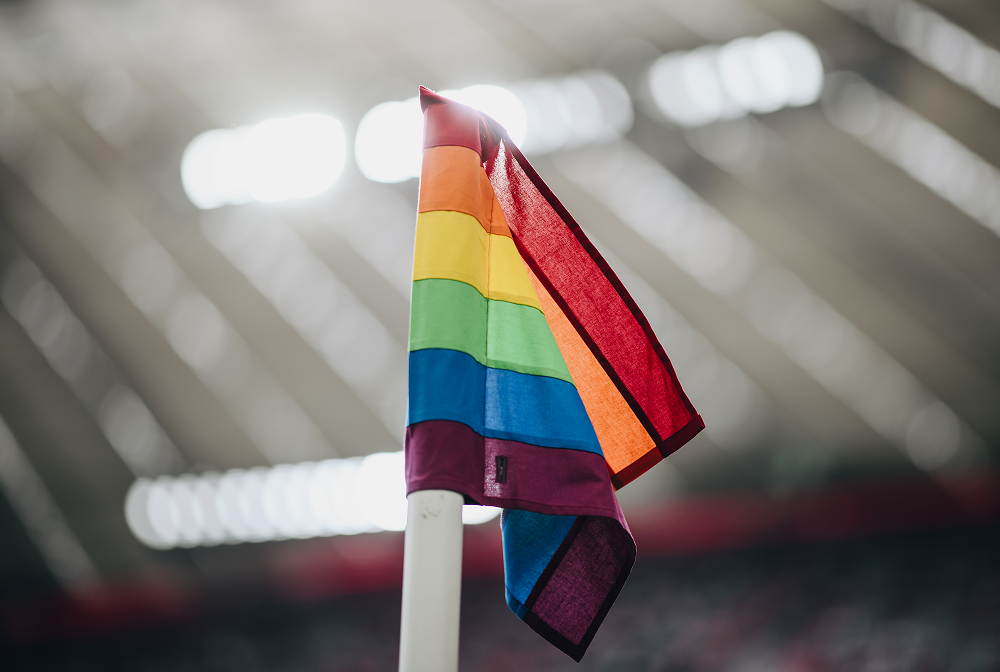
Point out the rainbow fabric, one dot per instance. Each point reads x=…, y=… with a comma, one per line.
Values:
x=536, y=384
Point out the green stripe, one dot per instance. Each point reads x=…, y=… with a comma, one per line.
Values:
x=520, y=340
x=453, y=315
x=448, y=314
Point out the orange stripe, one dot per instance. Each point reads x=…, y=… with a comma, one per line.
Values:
x=453, y=179
x=623, y=438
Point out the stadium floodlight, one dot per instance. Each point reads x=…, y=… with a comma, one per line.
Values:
x=288, y=501
x=762, y=74
x=275, y=160
x=388, y=142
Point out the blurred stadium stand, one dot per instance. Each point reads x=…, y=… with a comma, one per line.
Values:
x=923, y=602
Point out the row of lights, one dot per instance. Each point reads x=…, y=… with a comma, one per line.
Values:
x=291, y=501
x=275, y=160
x=304, y=155
x=761, y=74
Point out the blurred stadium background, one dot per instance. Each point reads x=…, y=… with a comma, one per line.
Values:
x=202, y=372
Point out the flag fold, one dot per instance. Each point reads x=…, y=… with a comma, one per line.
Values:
x=536, y=384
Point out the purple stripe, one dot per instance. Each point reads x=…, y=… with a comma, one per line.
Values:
x=570, y=601
x=446, y=455
x=557, y=481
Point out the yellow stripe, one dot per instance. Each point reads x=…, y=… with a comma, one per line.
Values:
x=454, y=246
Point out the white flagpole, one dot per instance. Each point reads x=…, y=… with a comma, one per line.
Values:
x=432, y=582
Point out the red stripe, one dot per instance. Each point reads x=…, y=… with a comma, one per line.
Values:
x=449, y=123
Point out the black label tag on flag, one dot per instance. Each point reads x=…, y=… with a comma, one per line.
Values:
x=501, y=469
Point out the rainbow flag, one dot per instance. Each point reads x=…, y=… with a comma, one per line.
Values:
x=536, y=384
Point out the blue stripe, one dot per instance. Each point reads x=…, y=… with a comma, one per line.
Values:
x=497, y=403
x=537, y=409
x=529, y=542
x=447, y=385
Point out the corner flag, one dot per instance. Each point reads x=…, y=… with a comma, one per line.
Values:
x=536, y=384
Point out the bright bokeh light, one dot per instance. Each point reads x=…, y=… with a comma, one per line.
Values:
x=477, y=515
x=380, y=489
x=294, y=158
x=275, y=160
x=761, y=75
x=587, y=107
x=289, y=501
x=389, y=140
